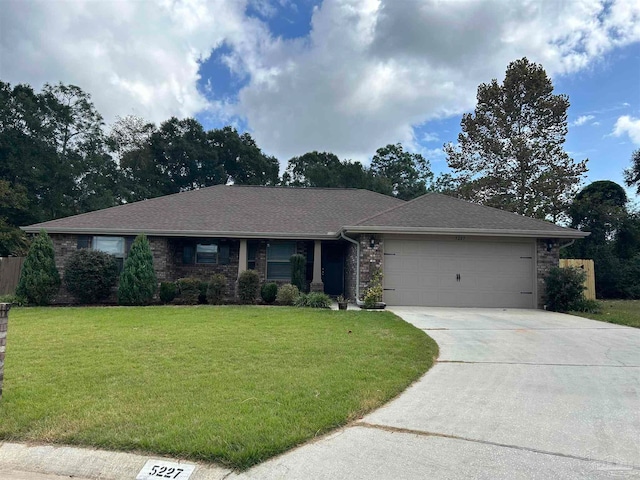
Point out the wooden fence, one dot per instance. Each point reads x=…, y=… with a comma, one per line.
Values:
x=10, y=274
x=587, y=266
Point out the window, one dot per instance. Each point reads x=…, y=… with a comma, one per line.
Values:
x=252, y=250
x=113, y=245
x=207, y=253
x=278, y=260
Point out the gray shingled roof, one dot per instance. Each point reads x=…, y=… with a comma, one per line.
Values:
x=437, y=213
x=248, y=211
x=233, y=211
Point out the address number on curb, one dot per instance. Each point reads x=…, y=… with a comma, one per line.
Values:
x=157, y=469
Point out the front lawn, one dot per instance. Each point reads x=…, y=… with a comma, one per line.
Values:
x=622, y=312
x=233, y=385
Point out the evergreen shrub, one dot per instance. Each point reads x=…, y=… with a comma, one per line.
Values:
x=39, y=277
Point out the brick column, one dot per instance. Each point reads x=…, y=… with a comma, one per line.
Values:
x=4, y=320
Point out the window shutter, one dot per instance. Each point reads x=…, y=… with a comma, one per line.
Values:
x=187, y=254
x=84, y=241
x=223, y=254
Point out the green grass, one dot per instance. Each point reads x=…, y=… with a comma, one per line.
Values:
x=233, y=385
x=621, y=312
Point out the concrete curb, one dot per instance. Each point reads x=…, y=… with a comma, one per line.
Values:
x=88, y=463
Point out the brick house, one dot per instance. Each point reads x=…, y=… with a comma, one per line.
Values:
x=434, y=250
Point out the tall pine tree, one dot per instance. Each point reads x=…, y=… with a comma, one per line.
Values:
x=510, y=153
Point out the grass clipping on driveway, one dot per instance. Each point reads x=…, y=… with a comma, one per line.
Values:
x=233, y=385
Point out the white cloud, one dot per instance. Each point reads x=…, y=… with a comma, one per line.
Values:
x=629, y=126
x=135, y=57
x=371, y=70
x=367, y=73
x=581, y=120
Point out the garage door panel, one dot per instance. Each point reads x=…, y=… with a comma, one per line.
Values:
x=452, y=273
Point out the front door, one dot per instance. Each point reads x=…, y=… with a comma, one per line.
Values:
x=333, y=268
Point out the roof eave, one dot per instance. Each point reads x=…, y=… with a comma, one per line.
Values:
x=484, y=232
x=179, y=233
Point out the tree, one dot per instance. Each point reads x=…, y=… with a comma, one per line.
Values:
x=632, y=174
x=243, y=161
x=39, y=278
x=599, y=208
x=13, y=202
x=510, y=152
x=407, y=173
x=138, y=281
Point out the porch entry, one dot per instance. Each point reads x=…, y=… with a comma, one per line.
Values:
x=333, y=263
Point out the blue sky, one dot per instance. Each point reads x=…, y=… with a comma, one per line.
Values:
x=346, y=76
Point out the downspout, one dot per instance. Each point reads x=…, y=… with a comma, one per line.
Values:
x=357, y=244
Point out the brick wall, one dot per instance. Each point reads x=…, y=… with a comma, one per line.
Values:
x=546, y=260
x=204, y=272
x=371, y=258
x=350, y=265
x=4, y=319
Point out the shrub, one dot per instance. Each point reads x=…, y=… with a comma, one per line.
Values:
x=138, y=281
x=287, y=294
x=314, y=300
x=298, y=271
x=188, y=291
x=373, y=294
x=217, y=289
x=564, y=287
x=203, y=287
x=586, y=305
x=39, y=278
x=269, y=292
x=248, y=284
x=168, y=291
x=90, y=275
x=13, y=300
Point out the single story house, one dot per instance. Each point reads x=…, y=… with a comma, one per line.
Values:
x=434, y=250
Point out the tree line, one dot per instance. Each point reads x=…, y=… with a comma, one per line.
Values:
x=58, y=158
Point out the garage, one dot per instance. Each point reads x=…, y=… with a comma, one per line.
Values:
x=459, y=271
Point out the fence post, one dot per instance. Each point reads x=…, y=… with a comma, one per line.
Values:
x=4, y=322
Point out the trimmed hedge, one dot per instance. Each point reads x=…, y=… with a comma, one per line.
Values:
x=188, y=291
x=269, y=292
x=298, y=271
x=287, y=294
x=248, y=284
x=90, y=275
x=168, y=291
x=217, y=289
x=564, y=288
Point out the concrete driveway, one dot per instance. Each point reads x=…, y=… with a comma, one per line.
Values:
x=515, y=394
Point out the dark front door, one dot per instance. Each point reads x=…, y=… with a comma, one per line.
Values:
x=333, y=268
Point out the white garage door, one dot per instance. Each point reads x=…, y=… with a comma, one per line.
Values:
x=459, y=273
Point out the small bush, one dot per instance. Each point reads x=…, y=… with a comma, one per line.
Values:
x=217, y=289
x=373, y=294
x=39, y=278
x=248, y=284
x=168, y=291
x=188, y=291
x=313, y=300
x=13, y=300
x=564, y=287
x=138, y=281
x=269, y=292
x=298, y=271
x=203, y=287
x=287, y=294
x=587, y=306
x=90, y=275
